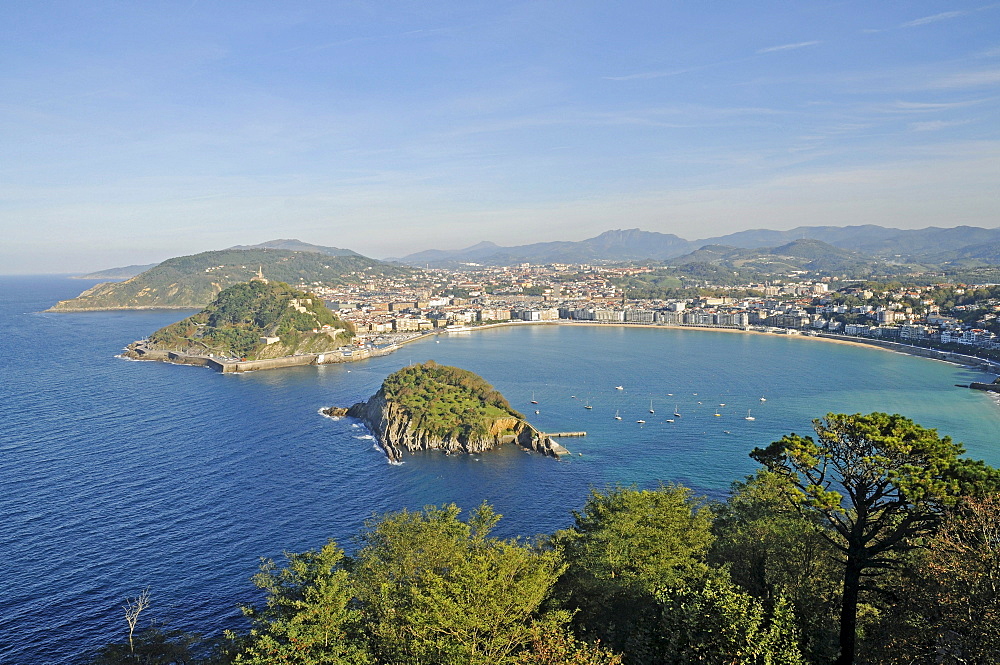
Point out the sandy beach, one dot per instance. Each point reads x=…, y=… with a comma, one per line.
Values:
x=892, y=347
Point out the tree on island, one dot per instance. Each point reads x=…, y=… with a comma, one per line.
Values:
x=880, y=482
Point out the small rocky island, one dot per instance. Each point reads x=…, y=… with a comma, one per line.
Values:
x=437, y=407
x=258, y=323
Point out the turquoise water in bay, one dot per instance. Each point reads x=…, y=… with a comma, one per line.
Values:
x=119, y=475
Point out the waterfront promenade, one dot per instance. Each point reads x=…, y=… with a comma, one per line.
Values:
x=227, y=366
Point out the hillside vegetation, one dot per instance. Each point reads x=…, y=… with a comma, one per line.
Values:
x=447, y=401
x=234, y=323
x=192, y=281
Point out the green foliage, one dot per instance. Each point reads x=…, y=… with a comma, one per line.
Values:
x=438, y=590
x=447, y=401
x=880, y=482
x=951, y=613
x=193, y=281
x=152, y=646
x=773, y=551
x=307, y=618
x=711, y=621
x=626, y=545
x=234, y=322
x=658, y=284
x=552, y=644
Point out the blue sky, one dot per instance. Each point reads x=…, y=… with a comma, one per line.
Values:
x=135, y=131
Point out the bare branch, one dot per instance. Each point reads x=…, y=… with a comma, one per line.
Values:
x=134, y=607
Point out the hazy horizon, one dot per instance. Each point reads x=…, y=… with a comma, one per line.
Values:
x=136, y=132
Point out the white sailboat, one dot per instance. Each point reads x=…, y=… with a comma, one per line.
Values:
x=749, y=417
x=617, y=417
x=651, y=406
x=677, y=413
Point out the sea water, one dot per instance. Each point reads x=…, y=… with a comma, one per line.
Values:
x=121, y=475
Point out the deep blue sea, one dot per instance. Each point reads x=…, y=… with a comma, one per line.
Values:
x=120, y=475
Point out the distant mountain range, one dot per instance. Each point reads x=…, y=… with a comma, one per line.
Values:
x=812, y=256
x=962, y=245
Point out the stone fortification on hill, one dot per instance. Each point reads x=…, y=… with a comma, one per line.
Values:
x=436, y=407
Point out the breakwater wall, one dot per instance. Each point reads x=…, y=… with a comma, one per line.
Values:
x=139, y=352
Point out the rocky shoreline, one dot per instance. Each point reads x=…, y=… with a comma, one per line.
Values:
x=396, y=433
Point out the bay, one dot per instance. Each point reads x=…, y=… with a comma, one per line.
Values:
x=121, y=475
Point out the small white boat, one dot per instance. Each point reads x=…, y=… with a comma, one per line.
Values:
x=651, y=406
x=749, y=417
x=617, y=417
x=533, y=400
x=670, y=420
x=677, y=413
x=537, y=411
x=641, y=422
x=619, y=387
x=763, y=399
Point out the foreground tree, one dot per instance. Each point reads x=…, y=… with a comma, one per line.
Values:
x=952, y=616
x=712, y=621
x=626, y=545
x=553, y=644
x=772, y=552
x=638, y=580
x=307, y=618
x=879, y=482
x=437, y=590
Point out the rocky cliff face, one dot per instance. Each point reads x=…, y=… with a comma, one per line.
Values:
x=395, y=430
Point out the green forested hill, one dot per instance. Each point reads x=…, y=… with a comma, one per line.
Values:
x=234, y=323
x=193, y=281
x=444, y=400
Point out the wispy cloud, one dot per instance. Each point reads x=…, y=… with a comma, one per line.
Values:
x=935, y=125
x=924, y=107
x=787, y=47
x=943, y=16
x=980, y=79
x=645, y=75
x=639, y=76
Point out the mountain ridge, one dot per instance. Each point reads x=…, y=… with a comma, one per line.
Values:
x=939, y=244
x=192, y=281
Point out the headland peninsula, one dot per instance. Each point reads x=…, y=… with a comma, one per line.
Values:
x=268, y=323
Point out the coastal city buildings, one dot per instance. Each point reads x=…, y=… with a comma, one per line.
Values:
x=434, y=299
